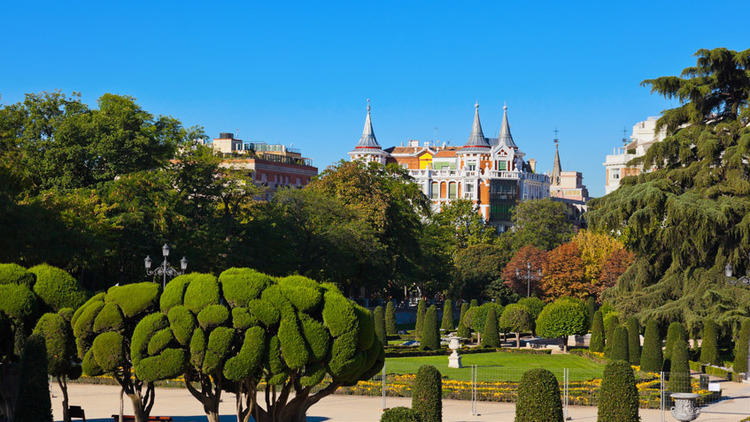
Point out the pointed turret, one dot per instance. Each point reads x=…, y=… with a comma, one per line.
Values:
x=505, y=138
x=477, y=139
x=367, y=140
x=556, y=167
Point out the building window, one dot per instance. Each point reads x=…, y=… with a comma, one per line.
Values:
x=501, y=165
x=615, y=173
x=434, y=191
x=469, y=188
x=452, y=190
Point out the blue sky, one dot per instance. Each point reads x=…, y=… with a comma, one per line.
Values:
x=299, y=72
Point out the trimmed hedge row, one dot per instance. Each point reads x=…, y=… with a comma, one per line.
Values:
x=404, y=351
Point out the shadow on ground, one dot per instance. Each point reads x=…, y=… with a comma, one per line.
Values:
x=223, y=418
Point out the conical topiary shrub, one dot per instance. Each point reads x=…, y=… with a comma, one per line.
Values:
x=538, y=397
x=463, y=331
x=634, y=341
x=490, y=335
x=741, y=348
x=380, y=325
x=33, y=402
x=674, y=331
x=447, y=322
x=597, y=333
x=618, y=399
x=390, y=319
x=427, y=394
x=421, y=308
x=709, y=346
x=679, y=370
x=590, y=309
x=611, y=322
x=400, y=414
x=620, y=344
x=651, y=356
x=430, y=337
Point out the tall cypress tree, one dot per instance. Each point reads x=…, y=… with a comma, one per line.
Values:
x=620, y=344
x=651, y=356
x=709, y=346
x=490, y=335
x=741, y=348
x=380, y=325
x=679, y=369
x=430, y=336
x=447, y=323
x=390, y=319
x=591, y=308
x=610, y=324
x=463, y=330
x=674, y=332
x=634, y=341
x=421, y=308
x=597, y=333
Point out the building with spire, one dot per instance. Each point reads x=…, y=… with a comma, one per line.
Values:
x=618, y=164
x=568, y=187
x=491, y=172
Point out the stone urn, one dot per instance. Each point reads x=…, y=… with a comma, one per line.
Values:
x=684, y=408
x=454, y=360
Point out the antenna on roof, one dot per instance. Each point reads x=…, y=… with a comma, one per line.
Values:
x=556, y=138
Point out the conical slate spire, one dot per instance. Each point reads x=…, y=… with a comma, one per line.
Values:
x=477, y=139
x=556, y=167
x=367, y=140
x=505, y=138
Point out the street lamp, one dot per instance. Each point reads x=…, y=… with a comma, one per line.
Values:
x=529, y=277
x=729, y=271
x=165, y=269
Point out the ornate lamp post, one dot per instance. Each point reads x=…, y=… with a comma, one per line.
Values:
x=529, y=277
x=165, y=269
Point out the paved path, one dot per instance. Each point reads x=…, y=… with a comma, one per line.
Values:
x=101, y=401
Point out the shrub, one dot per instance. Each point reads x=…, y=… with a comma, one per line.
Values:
x=219, y=342
x=302, y=292
x=338, y=314
x=109, y=351
x=56, y=288
x=463, y=330
x=618, y=400
x=265, y=312
x=516, y=318
x=174, y=291
x=709, y=347
x=202, y=290
x=651, y=355
x=250, y=356
x=562, y=318
x=597, y=333
x=674, y=332
x=110, y=318
x=476, y=316
x=183, y=323
x=427, y=394
x=33, y=401
x=490, y=335
x=212, y=316
x=741, y=348
x=634, y=341
x=134, y=299
x=611, y=322
x=447, y=322
x=590, y=309
x=430, y=336
x=620, y=344
x=421, y=308
x=400, y=414
x=538, y=397
x=474, y=303
x=390, y=319
x=679, y=369
x=17, y=301
x=242, y=319
x=317, y=337
x=16, y=274
x=535, y=306
x=380, y=325
x=241, y=285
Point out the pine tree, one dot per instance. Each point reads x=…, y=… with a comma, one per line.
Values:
x=390, y=319
x=380, y=325
x=447, y=323
x=597, y=333
x=709, y=347
x=620, y=344
x=679, y=370
x=741, y=348
x=463, y=330
x=651, y=355
x=421, y=308
x=634, y=341
x=490, y=335
x=430, y=336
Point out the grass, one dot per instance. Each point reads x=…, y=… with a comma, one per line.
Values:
x=500, y=366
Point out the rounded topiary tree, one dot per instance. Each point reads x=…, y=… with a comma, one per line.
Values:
x=379, y=318
x=430, y=336
x=400, y=414
x=62, y=360
x=562, y=318
x=57, y=289
x=476, y=316
x=709, y=343
x=33, y=402
x=391, y=328
x=596, y=343
x=104, y=326
x=674, y=332
x=611, y=322
x=490, y=334
x=463, y=330
x=634, y=341
x=19, y=304
x=427, y=394
x=741, y=348
x=534, y=306
x=517, y=319
x=620, y=344
x=447, y=322
x=651, y=355
x=538, y=397
x=618, y=399
x=16, y=274
x=679, y=369
x=421, y=309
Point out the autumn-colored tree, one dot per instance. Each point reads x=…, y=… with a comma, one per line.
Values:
x=536, y=259
x=595, y=249
x=563, y=273
x=615, y=265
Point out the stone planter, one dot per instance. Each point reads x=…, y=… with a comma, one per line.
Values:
x=684, y=406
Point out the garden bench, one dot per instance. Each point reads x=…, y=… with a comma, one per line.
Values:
x=131, y=418
x=76, y=412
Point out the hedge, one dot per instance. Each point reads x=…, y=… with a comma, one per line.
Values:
x=427, y=397
x=620, y=344
x=265, y=312
x=160, y=341
x=651, y=355
x=380, y=325
x=611, y=322
x=109, y=350
x=634, y=341
x=338, y=314
x=618, y=400
x=17, y=301
x=174, y=291
x=293, y=348
x=212, y=316
x=33, y=401
x=142, y=333
x=400, y=414
x=241, y=285
x=402, y=351
x=56, y=288
x=250, y=357
x=674, y=332
x=741, y=348
x=709, y=347
x=430, y=336
x=183, y=323
x=242, y=319
x=538, y=397
x=59, y=344
x=219, y=342
x=447, y=321
x=597, y=333
x=316, y=337
x=302, y=292
x=109, y=318
x=202, y=290
x=390, y=319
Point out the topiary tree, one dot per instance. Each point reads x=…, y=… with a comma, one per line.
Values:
x=33, y=402
x=400, y=414
x=427, y=394
x=674, y=332
x=516, y=318
x=19, y=304
x=380, y=325
x=534, y=306
x=560, y=319
x=57, y=289
x=103, y=328
x=679, y=369
x=473, y=303
x=651, y=355
x=634, y=341
x=618, y=399
x=476, y=317
x=247, y=332
x=430, y=336
x=538, y=397
x=596, y=343
x=421, y=309
x=590, y=309
x=447, y=322
x=463, y=330
x=62, y=360
x=741, y=348
x=709, y=345
x=391, y=328
x=16, y=274
x=490, y=334
x=620, y=344
x=611, y=322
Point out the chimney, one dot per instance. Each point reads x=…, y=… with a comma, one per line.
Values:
x=532, y=164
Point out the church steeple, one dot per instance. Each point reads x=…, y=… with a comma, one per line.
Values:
x=367, y=140
x=505, y=138
x=556, y=167
x=476, y=138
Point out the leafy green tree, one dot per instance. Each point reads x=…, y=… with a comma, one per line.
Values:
x=516, y=318
x=741, y=346
x=427, y=397
x=618, y=399
x=476, y=267
x=539, y=397
x=421, y=309
x=463, y=331
x=709, y=343
x=634, y=341
x=620, y=344
x=476, y=317
x=685, y=216
x=380, y=325
x=490, y=334
x=56, y=288
x=534, y=305
x=562, y=318
x=679, y=369
x=390, y=319
x=651, y=355
x=447, y=322
x=33, y=402
x=542, y=223
x=597, y=333
x=430, y=336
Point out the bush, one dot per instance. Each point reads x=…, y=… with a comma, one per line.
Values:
x=562, y=318
x=490, y=335
x=202, y=290
x=390, y=319
x=421, y=308
x=110, y=318
x=447, y=322
x=59, y=344
x=430, y=336
x=17, y=302
x=33, y=401
x=56, y=288
x=620, y=344
x=590, y=309
x=380, y=325
x=174, y=291
x=264, y=312
x=618, y=400
x=651, y=355
x=516, y=318
x=134, y=299
x=741, y=348
x=597, y=333
x=634, y=341
x=212, y=316
x=709, y=347
x=302, y=292
x=338, y=314
x=674, y=332
x=241, y=285
x=476, y=316
x=16, y=274
x=611, y=322
x=109, y=351
x=219, y=342
x=293, y=347
x=463, y=331
x=427, y=394
x=317, y=337
x=538, y=397
x=183, y=323
x=535, y=306
x=250, y=356
x=400, y=414
x=679, y=369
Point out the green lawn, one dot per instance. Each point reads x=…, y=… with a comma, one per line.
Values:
x=500, y=366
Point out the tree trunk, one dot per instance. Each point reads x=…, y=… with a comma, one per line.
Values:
x=64, y=388
x=212, y=416
x=138, y=411
x=564, y=341
x=518, y=340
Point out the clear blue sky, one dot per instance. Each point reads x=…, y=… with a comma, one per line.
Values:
x=285, y=72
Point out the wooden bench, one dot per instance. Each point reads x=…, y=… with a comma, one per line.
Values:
x=131, y=418
x=76, y=412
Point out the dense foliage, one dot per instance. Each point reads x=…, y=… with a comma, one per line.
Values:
x=427, y=394
x=674, y=332
x=620, y=344
x=651, y=355
x=562, y=318
x=679, y=368
x=463, y=330
x=538, y=397
x=741, y=348
x=596, y=343
x=634, y=341
x=490, y=333
x=380, y=330
x=611, y=322
x=421, y=309
x=400, y=414
x=447, y=321
x=516, y=318
x=430, y=336
x=618, y=399
x=33, y=401
x=390, y=319
x=709, y=343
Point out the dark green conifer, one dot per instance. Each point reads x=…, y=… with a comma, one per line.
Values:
x=590, y=309
x=447, y=323
x=674, y=332
x=463, y=330
x=620, y=344
x=597, y=333
x=33, y=403
x=610, y=324
x=421, y=308
x=634, y=341
x=679, y=370
x=430, y=336
x=618, y=400
x=490, y=335
x=390, y=319
x=427, y=394
x=380, y=325
x=651, y=355
x=538, y=397
x=741, y=348
x=709, y=343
